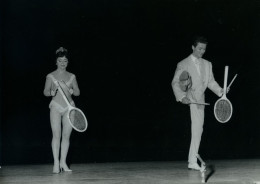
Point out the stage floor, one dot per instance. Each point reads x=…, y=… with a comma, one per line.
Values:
x=245, y=171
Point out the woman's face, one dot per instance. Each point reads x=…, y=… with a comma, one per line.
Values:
x=62, y=62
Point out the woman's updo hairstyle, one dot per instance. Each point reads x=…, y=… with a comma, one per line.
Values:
x=61, y=52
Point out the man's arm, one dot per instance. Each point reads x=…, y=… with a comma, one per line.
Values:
x=179, y=94
x=212, y=84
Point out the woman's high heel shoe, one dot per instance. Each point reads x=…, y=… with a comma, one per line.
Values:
x=65, y=169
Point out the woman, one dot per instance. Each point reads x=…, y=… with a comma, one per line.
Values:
x=58, y=108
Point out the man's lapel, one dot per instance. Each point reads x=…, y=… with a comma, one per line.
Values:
x=197, y=79
x=202, y=71
x=194, y=73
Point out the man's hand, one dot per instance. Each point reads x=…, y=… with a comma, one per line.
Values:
x=222, y=91
x=185, y=100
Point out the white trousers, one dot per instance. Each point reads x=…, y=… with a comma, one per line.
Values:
x=197, y=121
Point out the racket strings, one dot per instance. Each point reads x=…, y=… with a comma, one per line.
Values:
x=223, y=110
x=78, y=119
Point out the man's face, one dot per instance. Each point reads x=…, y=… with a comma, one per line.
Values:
x=199, y=50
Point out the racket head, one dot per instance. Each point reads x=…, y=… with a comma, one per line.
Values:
x=223, y=110
x=77, y=119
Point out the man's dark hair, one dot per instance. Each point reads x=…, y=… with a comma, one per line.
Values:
x=199, y=39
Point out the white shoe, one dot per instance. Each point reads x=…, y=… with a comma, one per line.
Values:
x=194, y=166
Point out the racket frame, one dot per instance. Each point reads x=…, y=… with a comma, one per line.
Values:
x=224, y=97
x=70, y=108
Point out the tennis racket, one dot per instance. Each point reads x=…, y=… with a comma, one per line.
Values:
x=76, y=117
x=223, y=108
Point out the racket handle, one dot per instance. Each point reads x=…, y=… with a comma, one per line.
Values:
x=68, y=88
x=225, y=79
x=232, y=81
x=199, y=103
x=63, y=94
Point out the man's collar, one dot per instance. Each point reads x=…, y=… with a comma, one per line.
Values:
x=193, y=58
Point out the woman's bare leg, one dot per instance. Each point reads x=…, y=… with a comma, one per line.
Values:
x=66, y=132
x=55, y=119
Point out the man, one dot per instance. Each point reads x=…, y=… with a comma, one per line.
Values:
x=198, y=75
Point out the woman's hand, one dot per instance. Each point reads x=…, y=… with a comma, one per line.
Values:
x=71, y=91
x=53, y=93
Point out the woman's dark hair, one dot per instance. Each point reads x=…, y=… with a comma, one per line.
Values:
x=61, y=52
x=199, y=39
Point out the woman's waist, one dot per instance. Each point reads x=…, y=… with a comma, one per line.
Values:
x=60, y=100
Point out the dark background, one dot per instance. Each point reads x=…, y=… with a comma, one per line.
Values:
x=124, y=54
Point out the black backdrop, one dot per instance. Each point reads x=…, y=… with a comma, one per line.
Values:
x=124, y=54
